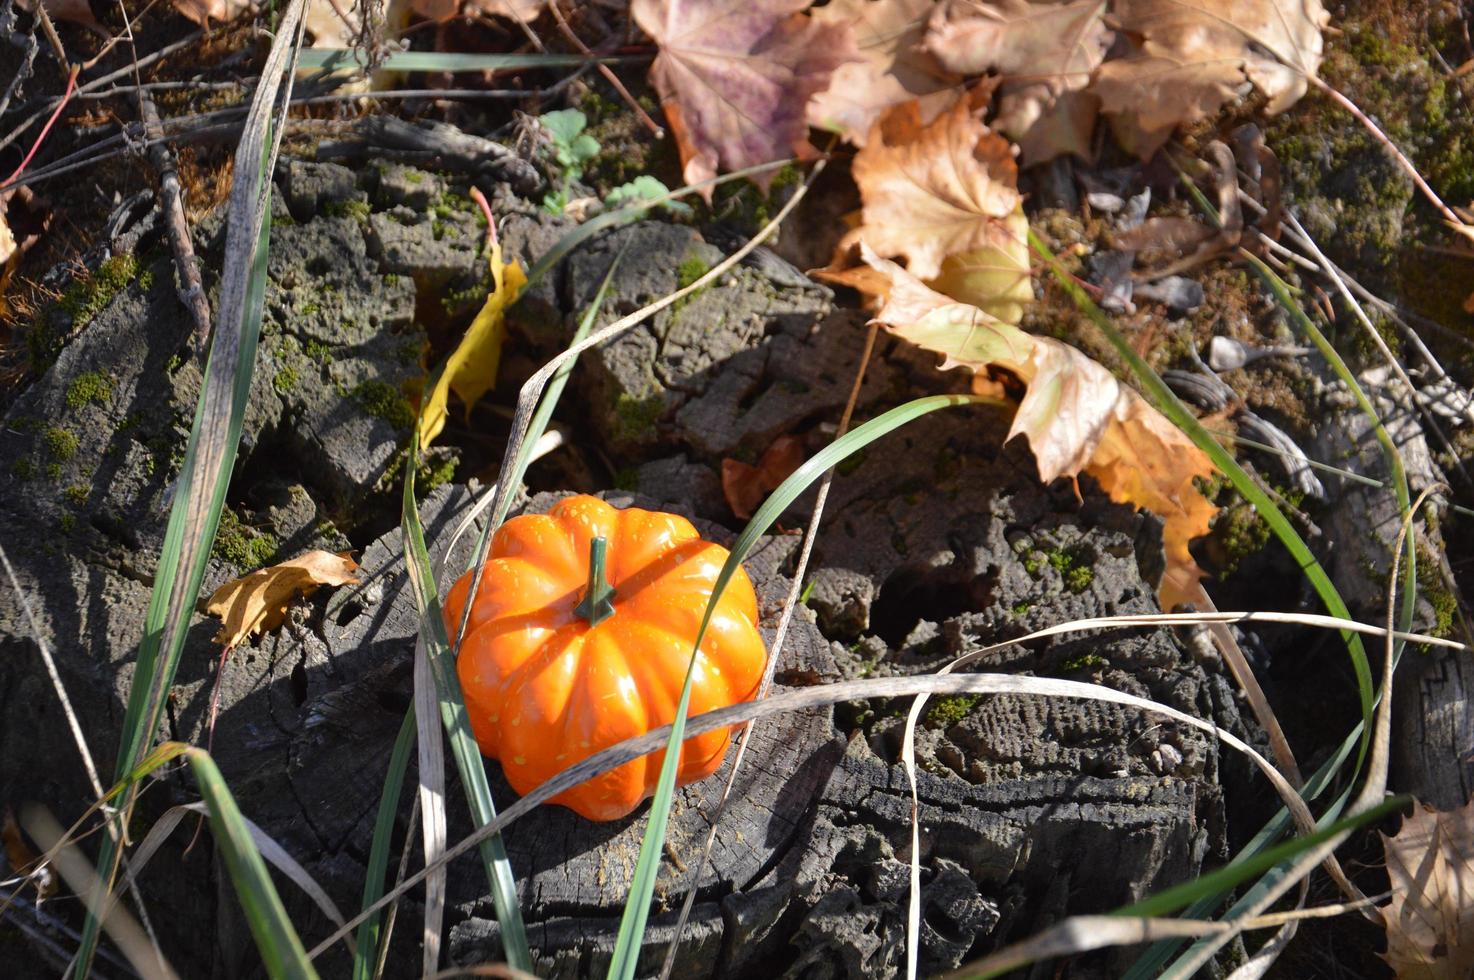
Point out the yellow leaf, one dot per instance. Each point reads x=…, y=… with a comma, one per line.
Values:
x=257, y=602
x=471, y=370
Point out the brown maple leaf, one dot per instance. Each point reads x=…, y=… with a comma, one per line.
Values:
x=735, y=76
x=895, y=68
x=1047, y=54
x=934, y=190
x=1430, y=920
x=1076, y=416
x=257, y=603
x=745, y=486
x=1193, y=56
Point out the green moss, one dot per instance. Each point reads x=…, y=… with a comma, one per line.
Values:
x=76, y=495
x=1077, y=574
x=692, y=268
x=66, y=523
x=391, y=279
x=93, y=386
x=285, y=379
x=948, y=711
x=635, y=418
x=88, y=297
x=386, y=402
x=1242, y=532
x=146, y=280
x=359, y=210
x=1085, y=661
x=24, y=468
x=628, y=478
x=414, y=176
x=1022, y=607
x=242, y=545
x=53, y=471
x=318, y=351
x=61, y=444
x=440, y=474
x=310, y=307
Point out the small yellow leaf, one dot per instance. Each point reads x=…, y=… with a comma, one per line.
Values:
x=257, y=602
x=471, y=370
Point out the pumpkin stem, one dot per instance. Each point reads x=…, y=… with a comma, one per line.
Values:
x=598, y=598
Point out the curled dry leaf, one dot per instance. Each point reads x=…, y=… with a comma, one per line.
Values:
x=942, y=195
x=207, y=12
x=471, y=370
x=1076, y=416
x=934, y=190
x=1193, y=56
x=257, y=602
x=895, y=68
x=1430, y=920
x=1047, y=54
x=745, y=485
x=735, y=76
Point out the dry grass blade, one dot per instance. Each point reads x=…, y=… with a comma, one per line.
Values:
x=1084, y=933
x=210, y=454
x=51, y=672
x=857, y=690
x=790, y=602
x=1373, y=790
x=273, y=852
x=144, y=956
x=432, y=802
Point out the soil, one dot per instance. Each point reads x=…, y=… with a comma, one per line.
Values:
x=938, y=540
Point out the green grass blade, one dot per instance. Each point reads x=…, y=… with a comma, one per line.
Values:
x=466, y=752
x=348, y=58
x=199, y=497
x=366, y=953
x=548, y=403
x=642, y=885
x=1282, y=294
x=1163, y=398
x=281, y=948
x=1223, y=879
x=214, y=436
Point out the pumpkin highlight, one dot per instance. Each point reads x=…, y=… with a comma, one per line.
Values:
x=545, y=688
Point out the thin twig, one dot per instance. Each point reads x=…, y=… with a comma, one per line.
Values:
x=609, y=76
x=1390, y=147
x=97, y=83
x=171, y=202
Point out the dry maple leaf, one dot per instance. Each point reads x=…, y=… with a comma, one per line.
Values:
x=1430, y=920
x=735, y=76
x=895, y=68
x=1076, y=416
x=207, y=12
x=934, y=190
x=1195, y=55
x=257, y=602
x=1047, y=54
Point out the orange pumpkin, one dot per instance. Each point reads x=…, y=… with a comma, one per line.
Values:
x=554, y=669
